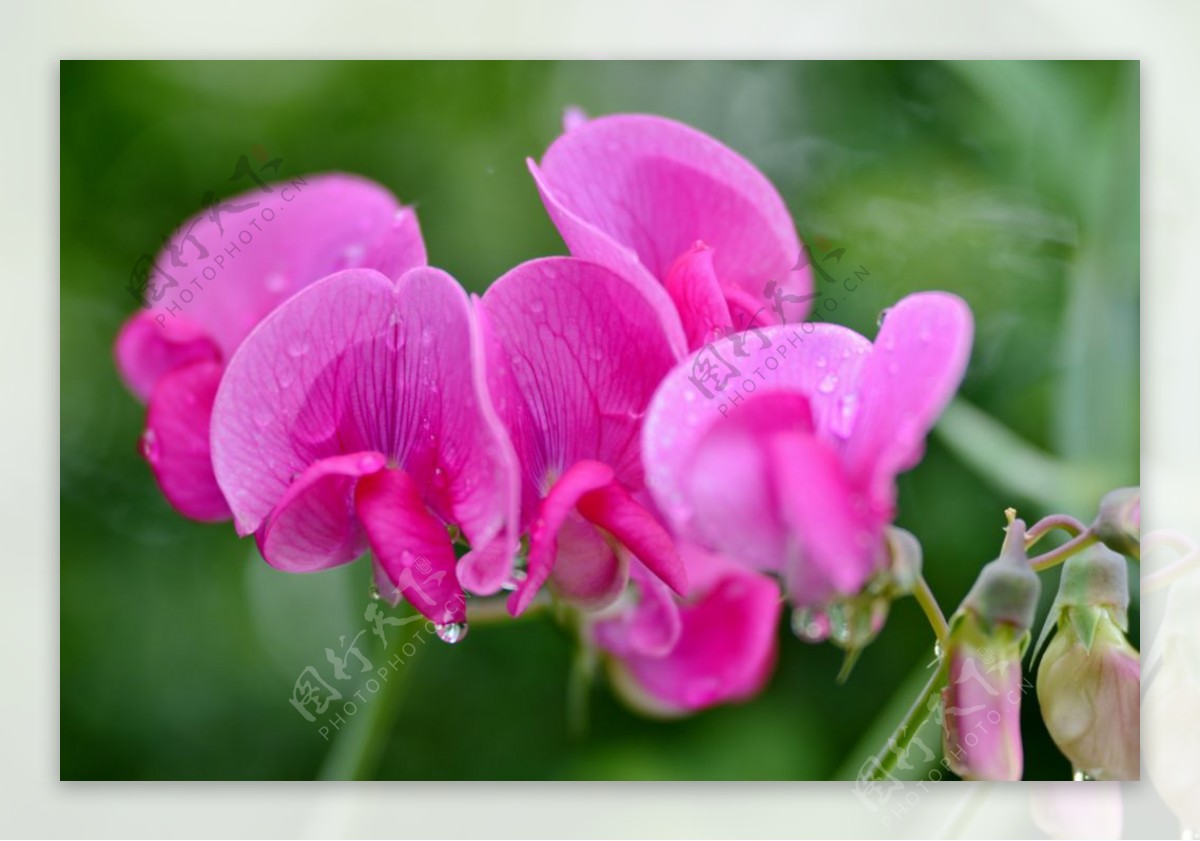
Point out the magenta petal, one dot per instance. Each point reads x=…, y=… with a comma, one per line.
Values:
x=696, y=292
x=575, y=354
x=485, y=570
x=819, y=362
x=651, y=627
x=914, y=369
x=651, y=187
x=613, y=508
x=176, y=441
x=726, y=648
x=357, y=362
x=411, y=548
x=554, y=510
x=146, y=351
x=314, y=526
x=589, y=572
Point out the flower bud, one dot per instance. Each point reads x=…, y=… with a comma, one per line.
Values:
x=988, y=636
x=1118, y=525
x=1089, y=678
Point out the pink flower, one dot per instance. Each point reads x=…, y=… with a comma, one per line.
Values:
x=679, y=214
x=717, y=645
x=219, y=275
x=575, y=352
x=356, y=416
x=783, y=453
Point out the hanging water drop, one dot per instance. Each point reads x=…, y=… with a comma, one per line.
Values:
x=149, y=445
x=452, y=632
x=1082, y=776
x=810, y=624
x=879, y=320
x=373, y=592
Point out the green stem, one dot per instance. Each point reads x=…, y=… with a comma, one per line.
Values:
x=1056, y=556
x=897, y=744
x=358, y=746
x=933, y=611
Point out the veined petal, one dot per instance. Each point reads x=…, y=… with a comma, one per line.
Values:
x=917, y=362
x=411, y=548
x=176, y=442
x=314, y=526
x=652, y=186
x=696, y=292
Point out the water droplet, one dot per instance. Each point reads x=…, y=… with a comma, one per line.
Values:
x=353, y=255
x=842, y=421
x=536, y=306
x=515, y=580
x=879, y=320
x=1082, y=776
x=373, y=592
x=149, y=444
x=937, y=649
x=822, y=361
x=297, y=348
x=369, y=462
x=263, y=415
x=452, y=632
x=439, y=479
x=810, y=624
x=276, y=282
x=828, y=384
x=426, y=337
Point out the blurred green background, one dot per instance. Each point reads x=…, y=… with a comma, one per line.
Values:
x=1014, y=185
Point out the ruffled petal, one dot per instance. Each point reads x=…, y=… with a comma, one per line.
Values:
x=575, y=354
x=147, y=350
x=651, y=187
x=918, y=360
x=726, y=647
x=411, y=548
x=314, y=526
x=615, y=510
x=355, y=363
x=649, y=627
x=819, y=362
x=558, y=505
x=176, y=442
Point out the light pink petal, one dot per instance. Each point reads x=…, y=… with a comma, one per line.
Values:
x=558, y=505
x=652, y=187
x=146, y=351
x=726, y=648
x=589, y=571
x=650, y=627
x=616, y=511
x=263, y=247
x=918, y=360
x=696, y=292
x=314, y=525
x=717, y=381
x=358, y=362
x=175, y=442
x=575, y=354
x=411, y=548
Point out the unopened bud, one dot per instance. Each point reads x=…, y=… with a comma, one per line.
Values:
x=1118, y=525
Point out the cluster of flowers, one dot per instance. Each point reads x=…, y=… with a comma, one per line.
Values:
x=584, y=426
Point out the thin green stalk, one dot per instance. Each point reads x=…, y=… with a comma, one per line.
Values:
x=1048, y=524
x=897, y=744
x=933, y=611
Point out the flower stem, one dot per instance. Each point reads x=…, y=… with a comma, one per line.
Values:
x=1172, y=572
x=1056, y=556
x=897, y=744
x=933, y=612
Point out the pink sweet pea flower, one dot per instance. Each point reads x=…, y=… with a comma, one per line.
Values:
x=219, y=275
x=574, y=353
x=717, y=646
x=783, y=455
x=356, y=415
x=681, y=215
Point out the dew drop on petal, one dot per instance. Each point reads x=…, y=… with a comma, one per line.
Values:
x=452, y=632
x=263, y=415
x=842, y=421
x=828, y=384
x=880, y=319
x=149, y=445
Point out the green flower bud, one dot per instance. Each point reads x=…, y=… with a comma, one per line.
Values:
x=1119, y=523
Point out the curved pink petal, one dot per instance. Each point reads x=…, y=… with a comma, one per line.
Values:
x=589, y=571
x=575, y=355
x=615, y=510
x=554, y=510
x=411, y=548
x=819, y=362
x=650, y=627
x=726, y=648
x=648, y=187
x=228, y=266
x=175, y=442
x=918, y=360
x=355, y=363
x=696, y=292
x=146, y=351
x=314, y=525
